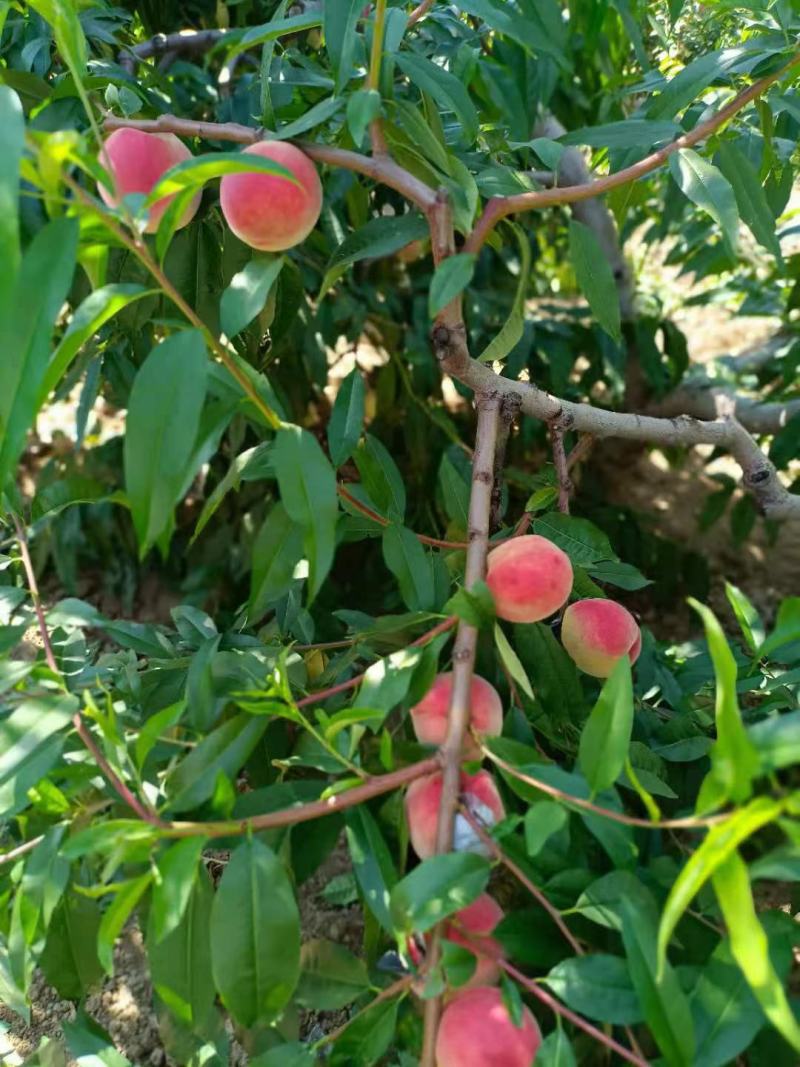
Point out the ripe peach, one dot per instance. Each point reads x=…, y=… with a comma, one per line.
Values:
x=430, y=715
x=136, y=161
x=596, y=633
x=477, y=1031
x=529, y=578
x=271, y=213
x=471, y=928
x=424, y=796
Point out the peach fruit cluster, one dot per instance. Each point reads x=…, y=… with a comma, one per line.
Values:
x=266, y=211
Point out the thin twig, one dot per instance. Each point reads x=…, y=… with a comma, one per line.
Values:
x=580, y=451
x=316, y=809
x=396, y=989
x=521, y=877
x=576, y=1020
x=351, y=683
x=561, y=466
x=690, y=822
x=463, y=669
x=500, y=207
x=419, y=11
x=434, y=542
x=20, y=850
x=116, y=783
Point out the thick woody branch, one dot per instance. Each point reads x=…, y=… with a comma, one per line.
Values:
x=500, y=207
x=419, y=11
x=164, y=44
x=759, y=474
x=380, y=169
x=451, y=752
x=709, y=401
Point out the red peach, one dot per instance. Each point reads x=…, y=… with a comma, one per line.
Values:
x=424, y=797
x=268, y=212
x=529, y=578
x=596, y=633
x=477, y=1031
x=471, y=928
x=136, y=161
x=430, y=715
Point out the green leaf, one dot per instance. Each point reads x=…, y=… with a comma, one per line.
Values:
x=539, y=30
x=687, y=85
x=70, y=961
x=734, y=759
x=331, y=977
x=178, y=869
x=12, y=140
x=556, y=1051
x=387, y=681
x=746, y=615
x=787, y=627
x=629, y=133
x=450, y=279
x=30, y=744
x=598, y=986
x=455, y=492
x=63, y=17
x=583, y=542
x=750, y=947
x=777, y=741
x=339, y=26
x=554, y=675
x=195, y=172
x=367, y=1037
x=543, y=819
x=276, y=552
x=751, y=198
x=180, y=957
x=315, y=116
x=665, y=1007
x=411, y=565
x=308, y=490
x=271, y=31
x=379, y=237
x=27, y=320
x=381, y=478
x=595, y=277
x=225, y=750
x=623, y=575
x=164, y=410
x=363, y=106
x=607, y=734
x=247, y=293
x=347, y=418
x=511, y=331
x=511, y=661
x=706, y=187
x=444, y=87
x=720, y=842
x=372, y=863
x=255, y=935
x=96, y=310
x=438, y=887
x=116, y=915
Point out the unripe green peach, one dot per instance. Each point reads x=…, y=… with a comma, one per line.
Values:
x=597, y=632
x=529, y=578
x=424, y=798
x=269, y=212
x=477, y=1031
x=430, y=715
x=136, y=161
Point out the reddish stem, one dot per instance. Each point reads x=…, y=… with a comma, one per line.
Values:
x=435, y=542
x=521, y=877
x=576, y=1020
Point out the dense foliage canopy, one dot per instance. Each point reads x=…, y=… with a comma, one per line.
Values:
x=265, y=531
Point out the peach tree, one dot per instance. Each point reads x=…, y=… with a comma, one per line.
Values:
x=339, y=298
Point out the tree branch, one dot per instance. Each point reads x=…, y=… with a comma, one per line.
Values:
x=561, y=465
x=379, y=168
x=162, y=44
x=452, y=751
x=419, y=12
x=500, y=207
x=316, y=809
x=708, y=401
